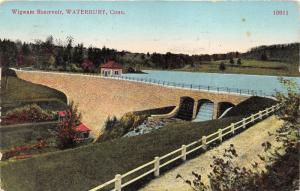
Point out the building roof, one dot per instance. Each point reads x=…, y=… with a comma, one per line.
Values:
x=82, y=128
x=112, y=65
x=62, y=113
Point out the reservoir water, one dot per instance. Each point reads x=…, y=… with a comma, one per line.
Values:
x=267, y=84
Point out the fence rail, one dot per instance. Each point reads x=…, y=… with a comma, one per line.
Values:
x=184, y=150
x=193, y=86
x=187, y=86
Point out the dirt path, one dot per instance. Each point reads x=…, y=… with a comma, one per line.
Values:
x=247, y=144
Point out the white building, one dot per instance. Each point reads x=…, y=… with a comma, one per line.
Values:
x=111, y=68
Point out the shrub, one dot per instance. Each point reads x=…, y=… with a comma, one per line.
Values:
x=222, y=66
x=226, y=175
x=21, y=152
x=115, y=128
x=66, y=134
x=75, y=68
x=239, y=62
x=27, y=114
x=88, y=66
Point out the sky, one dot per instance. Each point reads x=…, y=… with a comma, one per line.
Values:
x=157, y=26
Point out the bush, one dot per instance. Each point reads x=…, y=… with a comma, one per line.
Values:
x=115, y=128
x=51, y=68
x=74, y=68
x=21, y=152
x=27, y=114
x=66, y=134
x=239, y=62
x=222, y=66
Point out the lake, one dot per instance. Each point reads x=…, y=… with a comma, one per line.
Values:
x=267, y=84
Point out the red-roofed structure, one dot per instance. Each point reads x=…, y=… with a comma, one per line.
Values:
x=61, y=113
x=82, y=128
x=111, y=68
x=83, y=132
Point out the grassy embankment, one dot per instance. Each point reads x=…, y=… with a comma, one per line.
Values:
x=256, y=67
x=88, y=166
x=18, y=135
x=17, y=93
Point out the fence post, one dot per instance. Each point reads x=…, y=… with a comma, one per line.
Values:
x=232, y=128
x=260, y=115
x=204, y=141
x=252, y=118
x=244, y=123
x=220, y=135
x=267, y=111
x=183, y=152
x=118, y=182
x=156, y=166
x=273, y=109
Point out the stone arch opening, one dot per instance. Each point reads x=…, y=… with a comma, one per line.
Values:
x=223, y=107
x=186, y=108
x=205, y=110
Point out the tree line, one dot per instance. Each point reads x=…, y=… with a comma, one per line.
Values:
x=50, y=55
x=279, y=52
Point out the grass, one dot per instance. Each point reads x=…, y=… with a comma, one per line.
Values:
x=88, y=166
x=256, y=67
x=17, y=135
x=18, y=89
x=20, y=92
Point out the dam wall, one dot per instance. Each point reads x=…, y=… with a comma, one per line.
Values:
x=99, y=97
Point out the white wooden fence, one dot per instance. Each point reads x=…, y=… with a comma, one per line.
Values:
x=184, y=150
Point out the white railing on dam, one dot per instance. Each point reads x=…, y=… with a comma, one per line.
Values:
x=155, y=165
x=168, y=84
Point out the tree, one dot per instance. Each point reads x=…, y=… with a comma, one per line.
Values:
x=88, y=66
x=48, y=45
x=239, y=62
x=51, y=61
x=66, y=133
x=222, y=66
x=231, y=61
x=4, y=61
x=78, y=54
x=264, y=56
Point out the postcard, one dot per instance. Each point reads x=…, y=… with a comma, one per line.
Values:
x=149, y=95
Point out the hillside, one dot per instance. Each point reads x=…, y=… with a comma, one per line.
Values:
x=16, y=92
x=280, y=52
x=87, y=166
